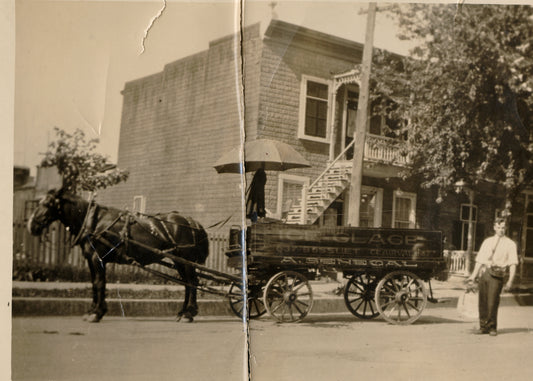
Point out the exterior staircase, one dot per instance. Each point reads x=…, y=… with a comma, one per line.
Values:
x=321, y=194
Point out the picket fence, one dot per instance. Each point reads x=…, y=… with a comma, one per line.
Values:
x=54, y=247
x=456, y=261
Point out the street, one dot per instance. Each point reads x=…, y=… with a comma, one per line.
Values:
x=439, y=346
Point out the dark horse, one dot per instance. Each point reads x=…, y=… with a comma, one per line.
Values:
x=110, y=235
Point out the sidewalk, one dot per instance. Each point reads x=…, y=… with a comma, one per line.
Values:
x=55, y=298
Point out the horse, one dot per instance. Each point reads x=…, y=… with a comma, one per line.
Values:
x=109, y=235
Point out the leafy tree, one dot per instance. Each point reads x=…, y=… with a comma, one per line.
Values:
x=79, y=165
x=465, y=92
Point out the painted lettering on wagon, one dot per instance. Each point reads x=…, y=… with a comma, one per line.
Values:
x=347, y=262
x=354, y=237
x=414, y=253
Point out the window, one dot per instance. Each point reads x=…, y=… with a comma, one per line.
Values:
x=403, y=210
x=371, y=207
x=291, y=191
x=314, y=109
x=139, y=204
x=463, y=218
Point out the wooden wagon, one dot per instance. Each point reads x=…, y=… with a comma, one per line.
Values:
x=386, y=269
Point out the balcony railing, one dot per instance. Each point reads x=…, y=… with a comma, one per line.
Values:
x=385, y=150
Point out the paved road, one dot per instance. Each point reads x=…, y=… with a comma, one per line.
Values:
x=439, y=346
x=67, y=348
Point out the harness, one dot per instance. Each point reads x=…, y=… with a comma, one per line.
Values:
x=90, y=215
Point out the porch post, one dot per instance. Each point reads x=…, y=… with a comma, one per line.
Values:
x=333, y=133
x=469, y=244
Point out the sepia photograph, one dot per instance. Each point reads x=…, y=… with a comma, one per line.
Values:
x=268, y=190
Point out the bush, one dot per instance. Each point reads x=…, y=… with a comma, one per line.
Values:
x=32, y=271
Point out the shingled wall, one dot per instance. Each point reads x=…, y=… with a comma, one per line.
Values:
x=177, y=123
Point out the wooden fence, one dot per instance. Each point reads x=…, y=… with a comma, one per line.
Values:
x=53, y=247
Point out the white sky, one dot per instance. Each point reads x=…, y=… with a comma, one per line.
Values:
x=74, y=57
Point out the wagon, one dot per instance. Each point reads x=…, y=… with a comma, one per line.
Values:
x=386, y=269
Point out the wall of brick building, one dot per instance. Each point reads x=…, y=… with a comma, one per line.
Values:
x=176, y=124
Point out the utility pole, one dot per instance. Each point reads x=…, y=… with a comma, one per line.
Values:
x=354, y=202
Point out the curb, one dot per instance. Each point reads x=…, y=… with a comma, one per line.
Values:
x=143, y=300
x=51, y=306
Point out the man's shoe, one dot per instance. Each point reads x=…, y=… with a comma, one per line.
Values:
x=481, y=332
x=493, y=333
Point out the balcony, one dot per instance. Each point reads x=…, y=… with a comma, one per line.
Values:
x=384, y=150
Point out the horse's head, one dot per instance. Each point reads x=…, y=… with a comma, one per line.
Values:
x=48, y=210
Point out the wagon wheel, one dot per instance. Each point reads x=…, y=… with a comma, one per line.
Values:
x=288, y=297
x=401, y=297
x=256, y=308
x=359, y=296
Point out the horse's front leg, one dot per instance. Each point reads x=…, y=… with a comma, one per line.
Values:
x=93, y=286
x=192, y=306
x=184, y=312
x=99, y=283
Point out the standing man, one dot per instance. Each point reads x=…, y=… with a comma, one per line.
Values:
x=497, y=253
x=255, y=204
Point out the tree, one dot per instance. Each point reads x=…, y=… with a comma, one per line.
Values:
x=465, y=92
x=79, y=165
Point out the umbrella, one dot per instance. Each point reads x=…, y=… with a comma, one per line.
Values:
x=271, y=155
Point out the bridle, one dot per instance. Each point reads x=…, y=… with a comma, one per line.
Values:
x=54, y=211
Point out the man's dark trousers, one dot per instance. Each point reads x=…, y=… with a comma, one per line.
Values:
x=489, y=299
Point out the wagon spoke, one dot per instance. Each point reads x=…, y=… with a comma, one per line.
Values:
x=290, y=312
x=406, y=310
x=359, y=305
x=412, y=306
x=354, y=299
x=299, y=287
x=389, y=312
x=385, y=305
x=298, y=308
x=275, y=309
x=305, y=305
x=371, y=308
x=410, y=283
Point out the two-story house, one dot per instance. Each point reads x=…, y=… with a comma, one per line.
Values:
x=291, y=84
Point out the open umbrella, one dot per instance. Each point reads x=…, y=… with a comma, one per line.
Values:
x=271, y=155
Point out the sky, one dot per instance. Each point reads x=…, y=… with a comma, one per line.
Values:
x=72, y=58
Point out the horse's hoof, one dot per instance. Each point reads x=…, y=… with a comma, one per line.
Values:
x=188, y=318
x=93, y=318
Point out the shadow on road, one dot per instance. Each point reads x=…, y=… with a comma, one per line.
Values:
x=505, y=331
x=335, y=321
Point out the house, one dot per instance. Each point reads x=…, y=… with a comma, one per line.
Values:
x=300, y=87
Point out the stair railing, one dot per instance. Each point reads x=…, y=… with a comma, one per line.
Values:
x=330, y=165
